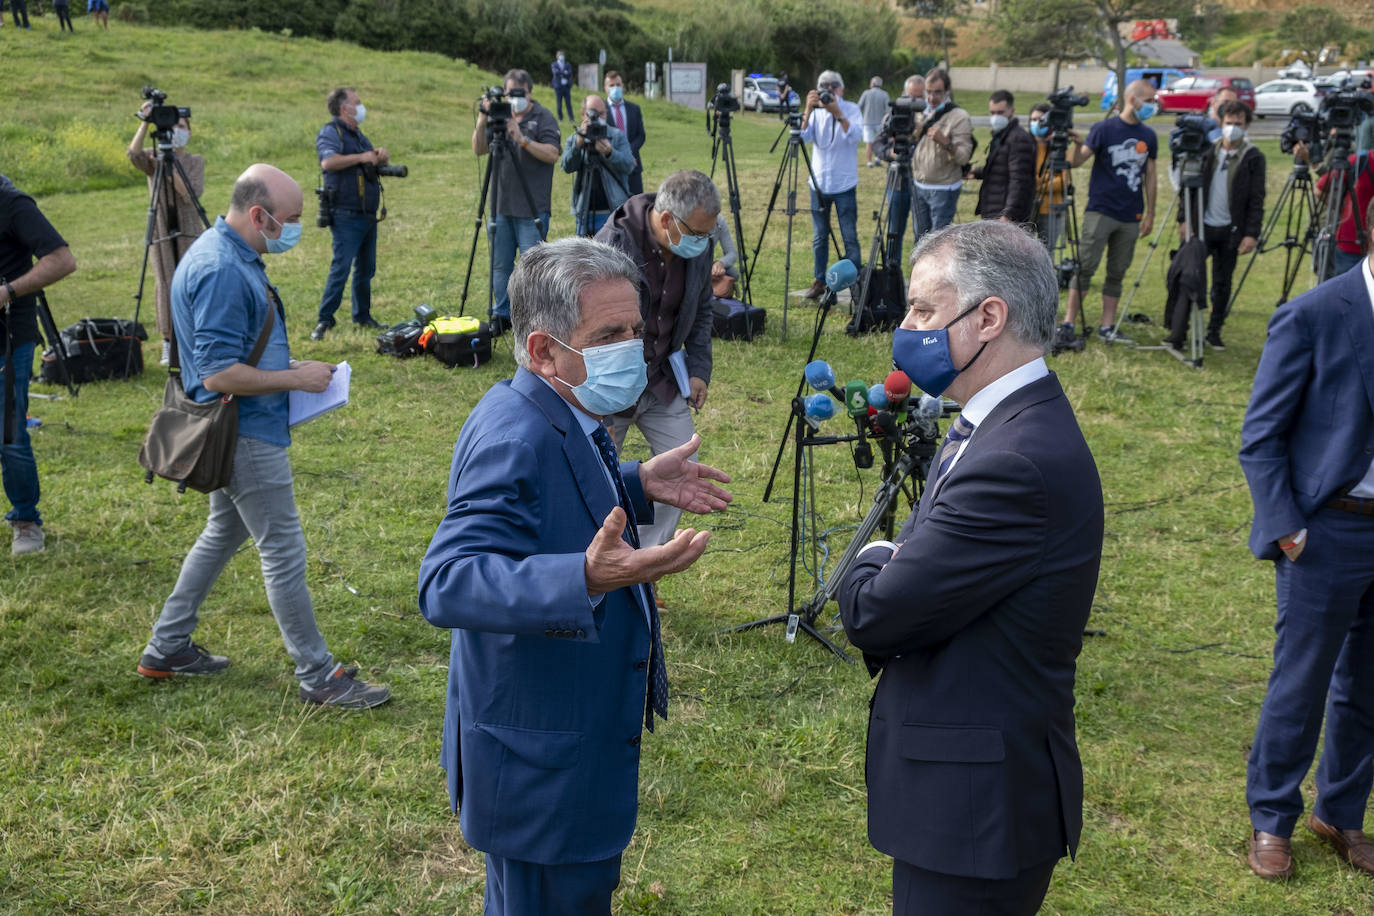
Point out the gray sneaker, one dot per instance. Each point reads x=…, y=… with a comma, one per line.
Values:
x=1111, y=335
x=194, y=660
x=343, y=689
x=28, y=538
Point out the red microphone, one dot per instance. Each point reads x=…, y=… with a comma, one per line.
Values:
x=897, y=387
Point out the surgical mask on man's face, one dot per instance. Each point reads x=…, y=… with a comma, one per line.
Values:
x=180, y=137
x=616, y=93
x=1232, y=133
x=519, y=103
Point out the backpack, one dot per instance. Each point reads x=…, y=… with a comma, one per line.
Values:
x=733, y=320
x=457, y=341
x=884, y=305
x=401, y=340
x=96, y=348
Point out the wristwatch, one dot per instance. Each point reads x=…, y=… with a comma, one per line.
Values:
x=10, y=290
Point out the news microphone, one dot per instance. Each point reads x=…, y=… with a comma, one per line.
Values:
x=819, y=407
x=877, y=397
x=897, y=387
x=930, y=406
x=856, y=399
x=841, y=275
x=819, y=375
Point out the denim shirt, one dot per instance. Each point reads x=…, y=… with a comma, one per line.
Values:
x=219, y=305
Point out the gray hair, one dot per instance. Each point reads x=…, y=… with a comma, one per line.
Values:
x=546, y=287
x=876, y=82
x=992, y=258
x=829, y=76
x=913, y=80
x=685, y=192
x=250, y=192
x=337, y=99
x=519, y=78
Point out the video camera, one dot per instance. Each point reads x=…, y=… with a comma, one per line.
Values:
x=1345, y=109
x=596, y=129
x=725, y=102
x=163, y=117
x=1189, y=136
x=902, y=115
x=1304, y=127
x=1059, y=118
x=498, y=106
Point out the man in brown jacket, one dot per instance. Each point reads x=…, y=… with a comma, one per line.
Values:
x=944, y=146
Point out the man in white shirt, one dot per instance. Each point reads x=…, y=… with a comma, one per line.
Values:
x=834, y=128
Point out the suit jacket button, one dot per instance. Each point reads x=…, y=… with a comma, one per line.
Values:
x=634, y=742
x=548, y=631
x=581, y=633
x=641, y=664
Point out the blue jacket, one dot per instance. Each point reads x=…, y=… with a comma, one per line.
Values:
x=616, y=172
x=546, y=691
x=1309, y=430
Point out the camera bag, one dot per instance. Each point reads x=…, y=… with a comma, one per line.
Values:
x=401, y=340
x=885, y=305
x=96, y=348
x=457, y=341
x=733, y=320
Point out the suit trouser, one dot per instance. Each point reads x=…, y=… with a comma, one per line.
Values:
x=1224, y=256
x=1324, y=640
x=516, y=888
x=918, y=892
x=664, y=426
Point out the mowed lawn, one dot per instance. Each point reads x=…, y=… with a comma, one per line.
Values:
x=228, y=796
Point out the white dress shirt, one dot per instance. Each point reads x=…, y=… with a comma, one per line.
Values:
x=835, y=156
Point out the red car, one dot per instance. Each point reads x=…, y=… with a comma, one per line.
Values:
x=1194, y=93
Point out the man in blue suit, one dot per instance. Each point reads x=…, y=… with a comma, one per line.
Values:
x=975, y=615
x=1306, y=449
x=626, y=116
x=557, y=658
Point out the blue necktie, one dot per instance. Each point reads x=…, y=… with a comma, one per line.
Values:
x=658, y=670
x=958, y=434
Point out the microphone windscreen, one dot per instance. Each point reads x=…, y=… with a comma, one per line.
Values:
x=929, y=406
x=877, y=397
x=841, y=275
x=819, y=407
x=897, y=386
x=819, y=375
x=856, y=398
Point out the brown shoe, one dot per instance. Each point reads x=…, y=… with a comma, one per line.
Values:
x=815, y=290
x=1271, y=856
x=1351, y=845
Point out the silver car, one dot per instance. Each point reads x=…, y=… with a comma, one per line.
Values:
x=1285, y=98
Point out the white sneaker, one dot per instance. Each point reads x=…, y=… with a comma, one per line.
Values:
x=166, y=359
x=28, y=538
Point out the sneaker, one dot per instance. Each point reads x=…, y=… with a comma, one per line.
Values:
x=166, y=358
x=343, y=689
x=194, y=660
x=1111, y=335
x=28, y=538
x=1064, y=335
x=1214, y=340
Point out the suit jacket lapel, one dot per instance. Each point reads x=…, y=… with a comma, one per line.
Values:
x=1359, y=323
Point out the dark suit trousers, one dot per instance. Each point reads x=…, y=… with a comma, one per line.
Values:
x=1322, y=651
x=1218, y=239
x=516, y=888
x=917, y=892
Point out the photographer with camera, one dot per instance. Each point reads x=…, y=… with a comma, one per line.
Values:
x=1008, y=175
x=523, y=191
x=941, y=154
x=1233, y=209
x=1121, y=205
x=895, y=146
x=600, y=156
x=834, y=129
x=167, y=249
x=351, y=192
x=1039, y=129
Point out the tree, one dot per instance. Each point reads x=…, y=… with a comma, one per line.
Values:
x=1054, y=30
x=938, y=14
x=1311, y=28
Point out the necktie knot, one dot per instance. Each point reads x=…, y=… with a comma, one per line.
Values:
x=958, y=434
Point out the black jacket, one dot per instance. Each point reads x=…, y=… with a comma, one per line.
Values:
x=1246, y=190
x=1008, y=176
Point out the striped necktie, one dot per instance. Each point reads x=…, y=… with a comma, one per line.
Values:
x=658, y=670
x=958, y=434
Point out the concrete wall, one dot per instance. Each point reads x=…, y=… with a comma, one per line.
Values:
x=1087, y=80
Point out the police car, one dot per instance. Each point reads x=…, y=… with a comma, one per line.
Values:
x=761, y=93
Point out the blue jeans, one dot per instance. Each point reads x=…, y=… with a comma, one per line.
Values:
x=259, y=503
x=355, y=245
x=510, y=233
x=846, y=214
x=934, y=209
x=597, y=218
x=19, y=469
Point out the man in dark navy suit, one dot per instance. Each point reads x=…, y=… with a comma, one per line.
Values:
x=1307, y=449
x=975, y=615
x=557, y=659
x=624, y=114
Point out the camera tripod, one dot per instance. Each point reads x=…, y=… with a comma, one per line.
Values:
x=723, y=145
x=163, y=203
x=1296, y=208
x=500, y=157
x=1054, y=193
x=1183, y=317
x=787, y=172
x=885, y=251
x=593, y=169
x=1339, y=193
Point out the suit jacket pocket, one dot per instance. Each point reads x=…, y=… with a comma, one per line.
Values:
x=951, y=743
x=543, y=749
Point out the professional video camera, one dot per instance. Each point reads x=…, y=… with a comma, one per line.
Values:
x=163, y=117
x=596, y=129
x=498, y=107
x=902, y=115
x=725, y=102
x=1345, y=109
x=1189, y=136
x=1304, y=127
x=1062, y=103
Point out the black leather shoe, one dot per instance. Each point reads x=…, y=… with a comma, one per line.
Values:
x=498, y=325
x=369, y=322
x=320, y=330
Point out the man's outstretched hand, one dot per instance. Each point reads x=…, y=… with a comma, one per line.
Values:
x=674, y=479
x=611, y=563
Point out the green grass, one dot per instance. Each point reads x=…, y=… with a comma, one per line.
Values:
x=228, y=796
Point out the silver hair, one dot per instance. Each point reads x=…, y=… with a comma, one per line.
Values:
x=827, y=77
x=913, y=80
x=989, y=258
x=876, y=81
x=546, y=287
x=685, y=192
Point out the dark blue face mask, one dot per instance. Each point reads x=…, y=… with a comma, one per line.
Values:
x=924, y=356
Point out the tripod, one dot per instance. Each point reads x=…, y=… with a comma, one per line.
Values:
x=163, y=203
x=1296, y=207
x=593, y=169
x=887, y=242
x=500, y=158
x=1181, y=315
x=1054, y=194
x=1339, y=193
x=787, y=171
x=723, y=145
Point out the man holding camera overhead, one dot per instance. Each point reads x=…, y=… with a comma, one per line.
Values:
x=523, y=189
x=351, y=195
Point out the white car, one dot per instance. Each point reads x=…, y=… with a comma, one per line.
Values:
x=1285, y=98
x=761, y=93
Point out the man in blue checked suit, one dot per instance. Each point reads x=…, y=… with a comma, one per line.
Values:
x=1307, y=449
x=557, y=658
x=974, y=616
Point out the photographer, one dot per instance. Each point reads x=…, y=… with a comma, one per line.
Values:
x=524, y=189
x=885, y=149
x=1233, y=209
x=944, y=146
x=1008, y=175
x=351, y=183
x=600, y=156
x=166, y=251
x=25, y=234
x=834, y=128
x=1040, y=132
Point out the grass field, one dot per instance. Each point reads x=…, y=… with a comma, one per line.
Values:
x=229, y=796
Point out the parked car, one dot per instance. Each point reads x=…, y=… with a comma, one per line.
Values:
x=761, y=93
x=1160, y=76
x=1297, y=70
x=1194, y=93
x=1338, y=79
x=1285, y=98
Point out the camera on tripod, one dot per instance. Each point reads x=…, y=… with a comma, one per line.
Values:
x=901, y=122
x=595, y=130
x=1304, y=127
x=163, y=117
x=1343, y=111
x=498, y=107
x=725, y=102
x=1188, y=139
x=1059, y=118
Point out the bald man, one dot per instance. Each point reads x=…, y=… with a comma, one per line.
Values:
x=602, y=167
x=230, y=339
x=1121, y=206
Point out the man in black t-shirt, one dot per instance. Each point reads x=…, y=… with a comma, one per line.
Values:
x=25, y=234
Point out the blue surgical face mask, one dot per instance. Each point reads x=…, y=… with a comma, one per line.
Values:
x=290, y=235
x=924, y=356
x=1039, y=128
x=615, y=93
x=518, y=104
x=180, y=137
x=1147, y=111
x=689, y=246
x=616, y=376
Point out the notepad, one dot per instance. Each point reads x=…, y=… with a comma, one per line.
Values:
x=307, y=405
x=678, y=362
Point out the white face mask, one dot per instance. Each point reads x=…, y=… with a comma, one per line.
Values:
x=360, y=113
x=519, y=103
x=180, y=137
x=998, y=122
x=1232, y=133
